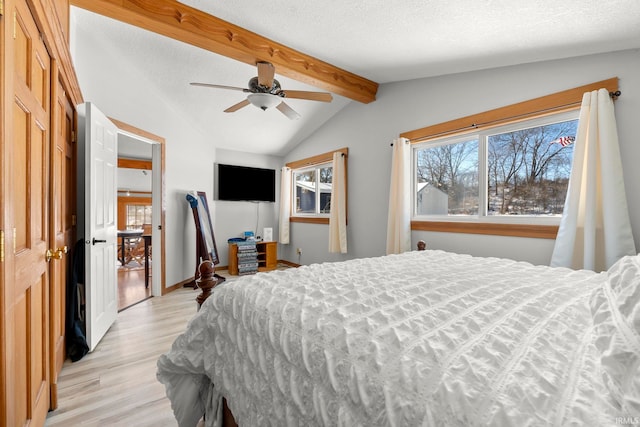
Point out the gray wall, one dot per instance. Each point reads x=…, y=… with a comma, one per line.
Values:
x=120, y=91
x=232, y=219
x=368, y=130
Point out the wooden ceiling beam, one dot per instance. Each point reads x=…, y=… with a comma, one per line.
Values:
x=181, y=22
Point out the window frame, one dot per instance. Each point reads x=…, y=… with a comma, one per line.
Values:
x=137, y=198
x=564, y=101
x=318, y=194
x=147, y=212
x=483, y=180
x=310, y=163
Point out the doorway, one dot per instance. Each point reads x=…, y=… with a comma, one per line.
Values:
x=140, y=215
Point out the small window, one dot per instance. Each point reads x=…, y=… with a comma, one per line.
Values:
x=311, y=184
x=312, y=190
x=517, y=170
x=447, y=178
x=528, y=169
x=137, y=215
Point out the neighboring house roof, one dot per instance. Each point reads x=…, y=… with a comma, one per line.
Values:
x=425, y=185
x=311, y=186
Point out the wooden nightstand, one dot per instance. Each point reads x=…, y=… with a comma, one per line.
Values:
x=267, y=256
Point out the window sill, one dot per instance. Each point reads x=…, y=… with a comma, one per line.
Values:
x=310, y=219
x=513, y=230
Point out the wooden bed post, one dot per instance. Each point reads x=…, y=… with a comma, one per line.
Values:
x=207, y=280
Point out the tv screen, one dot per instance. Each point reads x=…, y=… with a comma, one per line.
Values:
x=242, y=183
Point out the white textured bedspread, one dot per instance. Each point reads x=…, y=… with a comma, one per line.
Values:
x=420, y=339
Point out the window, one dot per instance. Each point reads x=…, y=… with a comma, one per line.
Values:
x=311, y=182
x=134, y=210
x=499, y=211
x=137, y=215
x=447, y=177
x=312, y=192
x=518, y=170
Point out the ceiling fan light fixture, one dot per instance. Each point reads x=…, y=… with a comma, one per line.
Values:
x=264, y=100
x=265, y=92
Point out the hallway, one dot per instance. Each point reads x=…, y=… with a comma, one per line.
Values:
x=131, y=288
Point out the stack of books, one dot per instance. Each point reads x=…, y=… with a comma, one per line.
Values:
x=247, y=257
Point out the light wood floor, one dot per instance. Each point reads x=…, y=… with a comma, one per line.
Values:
x=131, y=288
x=116, y=384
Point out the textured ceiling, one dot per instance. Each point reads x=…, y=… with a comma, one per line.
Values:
x=382, y=40
x=392, y=40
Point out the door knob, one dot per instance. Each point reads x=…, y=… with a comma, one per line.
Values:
x=60, y=252
x=56, y=254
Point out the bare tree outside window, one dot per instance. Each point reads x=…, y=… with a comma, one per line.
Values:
x=529, y=169
x=524, y=171
x=450, y=170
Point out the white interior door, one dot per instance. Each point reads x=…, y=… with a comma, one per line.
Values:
x=98, y=139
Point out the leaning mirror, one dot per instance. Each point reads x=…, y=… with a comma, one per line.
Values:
x=207, y=227
x=205, y=239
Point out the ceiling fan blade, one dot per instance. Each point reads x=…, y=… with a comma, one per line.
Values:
x=288, y=111
x=219, y=86
x=237, y=106
x=266, y=71
x=311, y=96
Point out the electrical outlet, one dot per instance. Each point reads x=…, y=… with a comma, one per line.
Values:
x=299, y=251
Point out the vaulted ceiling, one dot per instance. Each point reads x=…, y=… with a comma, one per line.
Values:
x=344, y=47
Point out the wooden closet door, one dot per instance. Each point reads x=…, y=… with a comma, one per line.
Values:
x=62, y=224
x=26, y=219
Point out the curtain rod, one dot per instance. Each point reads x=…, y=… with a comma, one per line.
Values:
x=406, y=142
x=613, y=95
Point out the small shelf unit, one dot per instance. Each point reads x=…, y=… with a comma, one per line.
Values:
x=267, y=254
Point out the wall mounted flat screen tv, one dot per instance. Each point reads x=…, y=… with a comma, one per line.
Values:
x=243, y=183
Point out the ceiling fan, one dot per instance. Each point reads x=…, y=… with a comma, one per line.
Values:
x=265, y=92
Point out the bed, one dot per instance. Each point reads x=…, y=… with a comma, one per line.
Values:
x=424, y=338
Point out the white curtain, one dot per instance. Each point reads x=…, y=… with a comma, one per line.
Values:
x=338, y=217
x=399, y=219
x=285, y=205
x=595, y=230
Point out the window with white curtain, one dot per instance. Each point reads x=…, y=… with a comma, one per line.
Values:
x=312, y=190
x=515, y=172
x=310, y=187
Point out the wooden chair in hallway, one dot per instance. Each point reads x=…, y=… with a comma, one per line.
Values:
x=138, y=248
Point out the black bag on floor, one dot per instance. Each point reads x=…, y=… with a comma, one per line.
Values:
x=74, y=325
